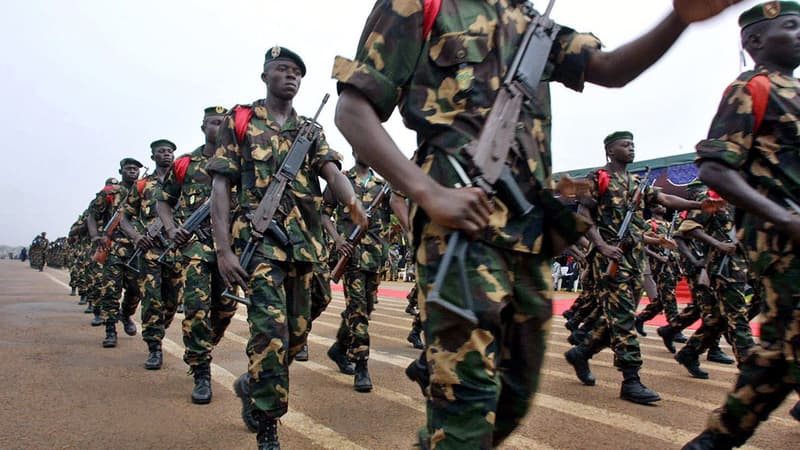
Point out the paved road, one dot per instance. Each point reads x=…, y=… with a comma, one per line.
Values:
x=62, y=390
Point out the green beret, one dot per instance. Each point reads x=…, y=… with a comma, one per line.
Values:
x=279, y=52
x=767, y=11
x=111, y=180
x=215, y=111
x=617, y=135
x=161, y=143
x=129, y=161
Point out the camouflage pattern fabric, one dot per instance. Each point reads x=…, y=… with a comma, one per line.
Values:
x=56, y=255
x=666, y=281
x=161, y=284
x=206, y=313
x=361, y=277
x=37, y=253
x=444, y=86
x=618, y=294
x=724, y=302
x=280, y=280
x=320, y=290
x=768, y=159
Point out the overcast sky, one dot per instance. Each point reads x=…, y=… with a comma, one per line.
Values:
x=88, y=82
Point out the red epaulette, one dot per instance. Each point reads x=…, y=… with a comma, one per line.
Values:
x=603, y=180
x=180, y=166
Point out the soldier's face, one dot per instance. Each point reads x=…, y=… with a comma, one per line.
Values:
x=622, y=150
x=130, y=172
x=211, y=126
x=781, y=41
x=163, y=155
x=282, y=78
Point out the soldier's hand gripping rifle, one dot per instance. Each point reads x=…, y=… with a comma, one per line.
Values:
x=358, y=232
x=101, y=252
x=626, y=222
x=153, y=231
x=488, y=154
x=192, y=226
x=723, y=265
x=263, y=217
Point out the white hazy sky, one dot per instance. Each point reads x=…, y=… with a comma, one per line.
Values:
x=88, y=82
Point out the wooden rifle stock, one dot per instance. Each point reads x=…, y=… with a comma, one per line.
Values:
x=358, y=233
x=101, y=252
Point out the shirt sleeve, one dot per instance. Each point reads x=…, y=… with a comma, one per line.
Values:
x=731, y=134
x=98, y=206
x=570, y=55
x=169, y=190
x=132, y=202
x=324, y=154
x=387, y=54
x=227, y=159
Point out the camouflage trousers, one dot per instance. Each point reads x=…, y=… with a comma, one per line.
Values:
x=666, y=300
x=771, y=371
x=700, y=306
x=584, y=305
x=280, y=293
x=360, y=292
x=617, y=300
x=483, y=376
x=725, y=311
x=320, y=290
x=207, y=313
x=161, y=288
x=93, y=277
x=116, y=277
x=37, y=259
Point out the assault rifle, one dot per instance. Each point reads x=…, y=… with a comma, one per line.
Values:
x=101, y=252
x=488, y=154
x=358, y=232
x=671, y=232
x=727, y=258
x=153, y=231
x=626, y=222
x=262, y=221
x=192, y=225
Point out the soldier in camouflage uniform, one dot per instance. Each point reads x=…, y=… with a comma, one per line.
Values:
x=38, y=251
x=161, y=283
x=278, y=279
x=612, y=190
x=207, y=313
x=78, y=239
x=115, y=276
x=726, y=272
x=94, y=269
x=665, y=272
x=751, y=159
x=445, y=79
x=361, y=277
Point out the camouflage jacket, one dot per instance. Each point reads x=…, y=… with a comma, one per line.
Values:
x=720, y=226
x=371, y=253
x=767, y=157
x=186, y=195
x=265, y=146
x=140, y=207
x=103, y=207
x=609, y=209
x=444, y=85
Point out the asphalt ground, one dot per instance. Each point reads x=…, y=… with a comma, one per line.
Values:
x=62, y=390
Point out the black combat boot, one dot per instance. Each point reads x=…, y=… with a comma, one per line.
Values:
x=72, y=292
x=267, y=437
x=155, y=358
x=639, y=324
x=415, y=339
x=97, y=320
x=688, y=358
x=111, y=334
x=417, y=372
x=127, y=324
x=201, y=394
x=668, y=336
x=302, y=355
x=680, y=338
x=337, y=354
x=179, y=309
x=83, y=301
x=715, y=354
x=633, y=390
x=361, y=381
x=795, y=412
x=89, y=307
x=411, y=310
x=579, y=360
x=577, y=336
x=242, y=389
x=709, y=441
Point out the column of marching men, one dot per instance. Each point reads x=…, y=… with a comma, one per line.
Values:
x=243, y=220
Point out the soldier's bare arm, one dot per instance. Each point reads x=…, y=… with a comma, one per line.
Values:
x=230, y=270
